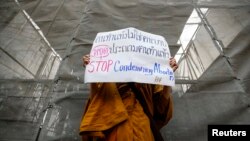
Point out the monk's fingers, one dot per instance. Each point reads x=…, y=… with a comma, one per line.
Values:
x=86, y=59
x=86, y=56
x=172, y=63
x=175, y=68
x=172, y=60
x=86, y=62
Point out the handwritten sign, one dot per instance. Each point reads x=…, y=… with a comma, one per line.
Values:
x=129, y=55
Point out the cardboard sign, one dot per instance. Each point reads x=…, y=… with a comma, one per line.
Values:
x=129, y=55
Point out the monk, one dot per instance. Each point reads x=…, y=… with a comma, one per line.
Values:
x=114, y=114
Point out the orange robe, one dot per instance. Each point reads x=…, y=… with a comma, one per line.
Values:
x=112, y=116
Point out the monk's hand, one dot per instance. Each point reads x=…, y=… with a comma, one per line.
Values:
x=85, y=60
x=173, y=64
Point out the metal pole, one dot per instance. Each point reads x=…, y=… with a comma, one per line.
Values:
x=191, y=67
x=19, y=63
x=41, y=125
x=217, y=43
x=199, y=58
x=37, y=29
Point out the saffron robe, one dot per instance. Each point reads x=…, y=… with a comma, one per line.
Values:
x=114, y=116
